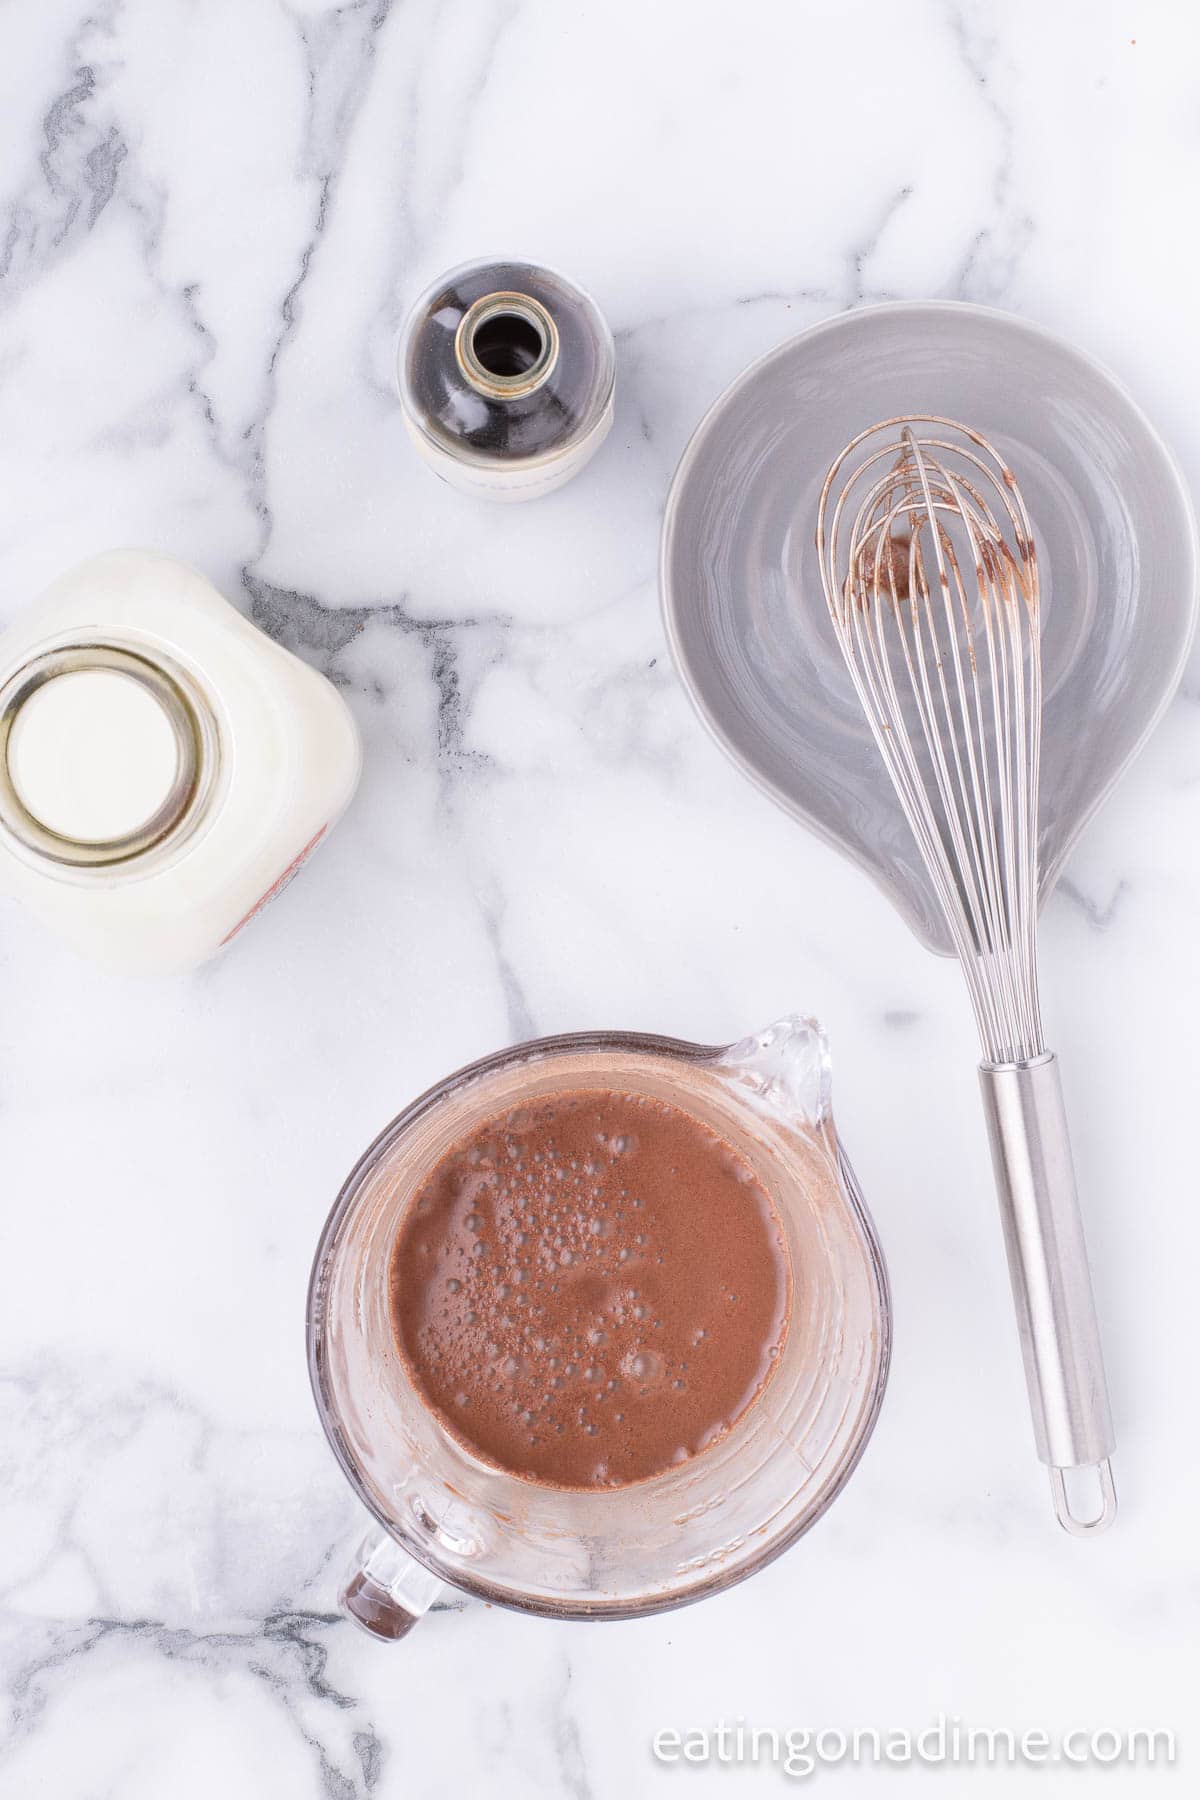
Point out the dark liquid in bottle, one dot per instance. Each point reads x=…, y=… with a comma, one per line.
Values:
x=590, y=1288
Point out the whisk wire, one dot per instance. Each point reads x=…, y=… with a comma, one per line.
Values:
x=931, y=580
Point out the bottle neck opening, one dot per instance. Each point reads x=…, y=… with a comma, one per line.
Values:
x=506, y=345
x=105, y=756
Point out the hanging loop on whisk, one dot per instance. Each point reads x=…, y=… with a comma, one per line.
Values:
x=1063, y=1511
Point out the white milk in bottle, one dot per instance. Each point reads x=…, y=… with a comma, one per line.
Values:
x=165, y=768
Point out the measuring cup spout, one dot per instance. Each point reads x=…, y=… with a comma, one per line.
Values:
x=785, y=1069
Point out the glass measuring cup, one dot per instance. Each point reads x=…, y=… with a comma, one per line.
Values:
x=449, y=1517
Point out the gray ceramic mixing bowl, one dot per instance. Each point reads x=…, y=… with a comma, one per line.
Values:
x=1116, y=540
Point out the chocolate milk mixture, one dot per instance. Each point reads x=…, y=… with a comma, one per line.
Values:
x=590, y=1288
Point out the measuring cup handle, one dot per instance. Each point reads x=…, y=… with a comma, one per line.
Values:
x=1051, y=1282
x=385, y=1591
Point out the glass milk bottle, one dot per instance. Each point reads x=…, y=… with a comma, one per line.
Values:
x=165, y=768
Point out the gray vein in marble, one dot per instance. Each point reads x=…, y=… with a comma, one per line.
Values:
x=148, y=207
x=990, y=264
x=322, y=633
x=568, y=1745
x=450, y=128
x=337, y=87
x=856, y=290
x=518, y=1013
x=701, y=310
x=189, y=296
x=1098, y=916
x=82, y=162
x=369, y=1750
x=629, y=389
x=303, y=623
x=79, y=166
x=859, y=255
x=101, y=161
x=62, y=1418
x=477, y=57
x=284, y=1655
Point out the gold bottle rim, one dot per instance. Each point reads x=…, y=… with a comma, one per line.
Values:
x=506, y=304
x=193, y=729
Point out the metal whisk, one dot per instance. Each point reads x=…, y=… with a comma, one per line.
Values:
x=931, y=578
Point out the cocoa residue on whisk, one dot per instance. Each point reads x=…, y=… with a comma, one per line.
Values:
x=891, y=560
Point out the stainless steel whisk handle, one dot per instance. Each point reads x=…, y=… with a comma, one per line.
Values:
x=1051, y=1282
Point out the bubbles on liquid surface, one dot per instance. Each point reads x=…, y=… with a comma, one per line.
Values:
x=532, y=1241
x=643, y=1366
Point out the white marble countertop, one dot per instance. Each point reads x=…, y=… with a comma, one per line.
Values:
x=212, y=218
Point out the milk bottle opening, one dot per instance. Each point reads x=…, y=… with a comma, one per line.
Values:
x=93, y=756
x=101, y=754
